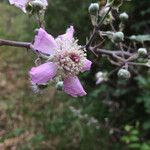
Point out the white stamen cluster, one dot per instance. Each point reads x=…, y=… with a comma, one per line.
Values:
x=69, y=58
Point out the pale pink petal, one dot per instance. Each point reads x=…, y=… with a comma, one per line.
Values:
x=19, y=3
x=44, y=42
x=22, y=3
x=45, y=2
x=43, y=73
x=68, y=35
x=87, y=65
x=73, y=87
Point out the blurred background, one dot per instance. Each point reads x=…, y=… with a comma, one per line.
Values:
x=113, y=116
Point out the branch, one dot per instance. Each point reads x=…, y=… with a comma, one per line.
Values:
x=95, y=30
x=112, y=53
x=15, y=43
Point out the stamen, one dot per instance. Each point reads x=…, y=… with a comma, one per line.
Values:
x=69, y=58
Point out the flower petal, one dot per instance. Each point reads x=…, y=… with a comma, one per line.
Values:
x=45, y=2
x=43, y=73
x=22, y=4
x=44, y=42
x=87, y=65
x=68, y=35
x=73, y=87
x=19, y=3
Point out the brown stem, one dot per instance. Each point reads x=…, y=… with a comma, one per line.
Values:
x=15, y=43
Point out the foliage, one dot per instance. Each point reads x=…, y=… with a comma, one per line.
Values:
x=133, y=140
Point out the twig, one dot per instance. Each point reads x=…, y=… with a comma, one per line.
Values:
x=15, y=43
x=97, y=28
x=112, y=53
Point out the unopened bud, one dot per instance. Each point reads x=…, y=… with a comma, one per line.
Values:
x=123, y=17
x=36, y=31
x=100, y=77
x=118, y=37
x=142, y=51
x=93, y=9
x=124, y=74
x=37, y=4
x=59, y=85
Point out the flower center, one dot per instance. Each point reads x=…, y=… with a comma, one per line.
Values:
x=69, y=63
x=69, y=57
x=74, y=58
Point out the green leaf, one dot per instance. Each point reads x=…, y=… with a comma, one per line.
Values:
x=140, y=38
x=128, y=128
x=134, y=146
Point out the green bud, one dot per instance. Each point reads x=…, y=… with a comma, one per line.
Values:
x=29, y=8
x=124, y=74
x=37, y=5
x=142, y=51
x=59, y=85
x=93, y=9
x=118, y=37
x=36, y=31
x=123, y=17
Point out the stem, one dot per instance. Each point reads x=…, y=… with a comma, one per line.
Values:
x=15, y=43
x=97, y=28
x=137, y=64
x=112, y=53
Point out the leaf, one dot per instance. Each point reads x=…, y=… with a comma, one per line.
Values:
x=128, y=128
x=134, y=145
x=140, y=38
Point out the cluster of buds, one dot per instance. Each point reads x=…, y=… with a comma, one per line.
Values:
x=127, y=55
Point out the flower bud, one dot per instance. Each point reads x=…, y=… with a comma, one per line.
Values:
x=123, y=17
x=142, y=51
x=118, y=37
x=59, y=85
x=36, y=31
x=101, y=77
x=37, y=5
x=93, y=9
x=124, y=74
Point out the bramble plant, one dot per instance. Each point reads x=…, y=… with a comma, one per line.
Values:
x=61, y=59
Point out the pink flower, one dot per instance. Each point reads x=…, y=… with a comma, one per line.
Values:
x=66, y=59
x=23, y=3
